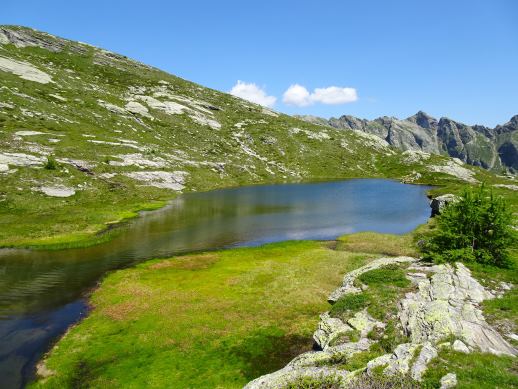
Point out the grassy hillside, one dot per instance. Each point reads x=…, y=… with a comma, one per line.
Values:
x=89, y=137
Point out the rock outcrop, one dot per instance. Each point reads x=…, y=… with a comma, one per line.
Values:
x=443, y=305
x=438, y=203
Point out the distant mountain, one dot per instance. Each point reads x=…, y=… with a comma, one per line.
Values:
x=491, y=148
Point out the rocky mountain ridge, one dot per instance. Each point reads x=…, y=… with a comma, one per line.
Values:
x=490, y=148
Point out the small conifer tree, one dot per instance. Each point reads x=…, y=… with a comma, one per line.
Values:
x=475, y=228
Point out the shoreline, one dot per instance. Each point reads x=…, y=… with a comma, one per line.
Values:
x=110, y=230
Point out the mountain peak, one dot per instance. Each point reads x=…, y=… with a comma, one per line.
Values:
x=422, y=119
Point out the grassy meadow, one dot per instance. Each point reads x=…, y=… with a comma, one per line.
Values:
x=210, y=320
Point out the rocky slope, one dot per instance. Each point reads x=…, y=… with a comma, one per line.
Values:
x=88, y=137
x=490, y=148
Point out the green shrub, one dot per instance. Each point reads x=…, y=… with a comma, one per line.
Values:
x=475, y=228
x=51, y=163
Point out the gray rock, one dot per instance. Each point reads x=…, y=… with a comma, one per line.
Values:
x=447, y=305
x=137, y=108
x=396, y=363
x=428, y=352
x=57, y=191
x=449, y=381
x=438, y=203
x=282, y=378
x=459, y=346
x=382, y=360
x=401, y=359
x=329, y=329
x=347, y=350
x=313, y=364
x=364, y=323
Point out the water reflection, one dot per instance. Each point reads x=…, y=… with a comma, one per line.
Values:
x=40, y=291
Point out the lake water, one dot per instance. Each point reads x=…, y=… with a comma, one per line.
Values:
x=43, y=292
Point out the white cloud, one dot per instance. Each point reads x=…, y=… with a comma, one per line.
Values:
x=334, y=95
x=298, y=95
x=253, y=93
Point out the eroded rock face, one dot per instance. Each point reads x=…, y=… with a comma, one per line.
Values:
x=160, y=179
x=454, y=168
x=57, y=191
x=447, y=305
x=21, y=159
x=329, y=329
x=490, y=148
x=287, y=375
x=428, y=352
x=137, y=109
x=24, y=37
x=312, y=364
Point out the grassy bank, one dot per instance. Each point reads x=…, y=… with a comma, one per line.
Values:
x=207, y=320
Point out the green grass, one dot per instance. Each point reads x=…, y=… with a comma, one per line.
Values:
x=502, y=312
x=210, y=320
x=392, y=275
x=349, y=303
x=385, y=286
x=221, y=319
x=51, y=163
x=475, y=370
x=376, y=243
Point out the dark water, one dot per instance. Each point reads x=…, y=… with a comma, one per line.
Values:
x=42, y=292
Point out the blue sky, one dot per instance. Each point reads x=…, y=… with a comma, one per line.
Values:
x=449, y=58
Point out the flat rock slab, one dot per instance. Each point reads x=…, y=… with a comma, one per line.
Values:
x=160, y=179
x=447, y=305
x=57, y=191
x=24, y=70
